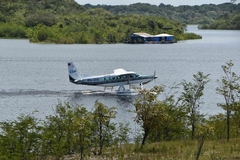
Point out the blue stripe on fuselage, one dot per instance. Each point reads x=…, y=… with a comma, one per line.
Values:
x=95, y=81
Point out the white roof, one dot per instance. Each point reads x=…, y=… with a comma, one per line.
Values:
x=163, y=35
x=143, y=34
x=149, y=35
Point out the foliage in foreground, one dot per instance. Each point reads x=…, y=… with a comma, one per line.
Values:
x=171, y=128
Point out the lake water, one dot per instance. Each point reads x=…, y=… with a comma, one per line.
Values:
x=34, y=77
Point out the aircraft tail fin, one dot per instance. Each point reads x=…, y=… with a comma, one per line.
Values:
x=73, y=72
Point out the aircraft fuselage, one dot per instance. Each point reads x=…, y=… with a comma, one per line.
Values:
x=112, y=80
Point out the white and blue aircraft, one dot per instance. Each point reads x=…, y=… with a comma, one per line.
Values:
x=119, y=77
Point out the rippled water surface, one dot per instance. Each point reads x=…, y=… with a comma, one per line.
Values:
x=34, y=77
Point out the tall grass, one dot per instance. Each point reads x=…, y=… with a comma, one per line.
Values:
x=180, y=150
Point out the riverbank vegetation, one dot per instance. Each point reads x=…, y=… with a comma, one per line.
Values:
x=226, y=21
x=67, y=22
x=169, y=128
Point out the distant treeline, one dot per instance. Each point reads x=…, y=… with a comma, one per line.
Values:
x=226, y=21
x=65, y=21
x=222, y=16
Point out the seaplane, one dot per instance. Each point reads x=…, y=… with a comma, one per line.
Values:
x=119, y=77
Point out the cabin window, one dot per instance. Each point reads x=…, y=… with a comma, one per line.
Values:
x=106, y=78
x=95, y=80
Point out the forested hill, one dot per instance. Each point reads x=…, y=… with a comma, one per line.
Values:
x=203, y=14
x=13, y=8
x=63, y=7
x=65, y=21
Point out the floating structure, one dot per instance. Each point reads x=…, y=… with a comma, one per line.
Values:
x=151, y=39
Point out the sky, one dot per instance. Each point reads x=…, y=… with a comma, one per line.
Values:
x=154, y=2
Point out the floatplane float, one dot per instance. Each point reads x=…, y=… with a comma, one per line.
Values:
x=119, y=77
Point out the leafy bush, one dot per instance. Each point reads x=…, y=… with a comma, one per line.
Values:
x=12, y=31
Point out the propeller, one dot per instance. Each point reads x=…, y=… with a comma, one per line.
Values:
x=154, y=76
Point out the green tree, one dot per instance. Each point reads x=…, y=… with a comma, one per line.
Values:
x=103, y=129
x=229, y=87
x=203, y=131
x=235, y=117
x=236, y=21
x=149, y=111
x=191, y=97
x=82, y=124
x=174, y=125
x=218, y=122
x=58, y=136
x=41, y=17
x=123, y=131
x=20, y=139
